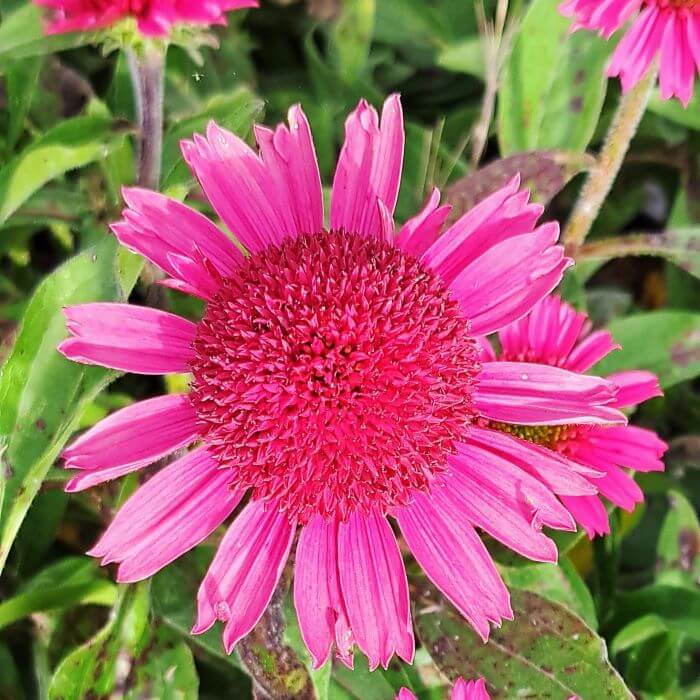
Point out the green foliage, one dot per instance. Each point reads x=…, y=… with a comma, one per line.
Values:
x=67, y=146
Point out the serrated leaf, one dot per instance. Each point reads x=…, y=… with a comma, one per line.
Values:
x=546, y=651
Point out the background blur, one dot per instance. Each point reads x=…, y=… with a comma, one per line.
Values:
x=519, y=96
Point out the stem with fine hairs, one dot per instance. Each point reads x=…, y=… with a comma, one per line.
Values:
x=600, y=181
x=147, y=70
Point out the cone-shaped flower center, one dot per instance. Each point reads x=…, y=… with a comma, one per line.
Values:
x=333, y=373
x=551, y=436
x=693, y=5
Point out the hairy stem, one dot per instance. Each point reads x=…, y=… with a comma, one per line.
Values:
x=617, y=142
x=147, y=76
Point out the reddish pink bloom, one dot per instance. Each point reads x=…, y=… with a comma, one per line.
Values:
x=462, y=690
x=336, y=381
x=667, y=28
x=553, y=333
x=154, y=17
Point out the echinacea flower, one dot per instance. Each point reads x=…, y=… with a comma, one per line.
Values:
x=462, y=690
x=154, y=17
x=554, y=333
x=336, y=381
x=669, y=29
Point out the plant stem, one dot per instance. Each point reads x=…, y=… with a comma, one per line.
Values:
x=617, y=142
x=147, y=76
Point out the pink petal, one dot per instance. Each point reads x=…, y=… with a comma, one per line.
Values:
x=606, y=15
x=262, y=198
x=421, y=232
x=677, y=67
x=317, y=596
x=637, y=49
x=590, y=350
x=628, y=446
x=590, y=512
x=173, y=512
x=509, y=278
x=369, y=168
x=374, y=586
x=472, y=690
x=502, y=215
x=130, y=439
x=162, y=230
x=128, y=338
x=562, y=475
x=635, y=387
x=454, y=558
x=530, y=394
x=508, y=503
x=406, y=694
x=245, y=571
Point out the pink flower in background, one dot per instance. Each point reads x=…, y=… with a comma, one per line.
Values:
x=154, y=17
x=462, y=690
x=336, y=381
x=554, y=333
x=669, y=29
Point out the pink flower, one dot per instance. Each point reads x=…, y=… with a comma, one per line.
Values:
x=336, y=381
x=553, y=333
x=667, y=28
x=154, y=17
x=462, y=690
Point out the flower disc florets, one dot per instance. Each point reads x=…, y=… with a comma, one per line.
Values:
x=333, y=373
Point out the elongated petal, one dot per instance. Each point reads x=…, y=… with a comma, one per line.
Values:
x=628, y=446
x=421, y=231
x=508, y=503
x=471, y=690
x=530, y=394
x=509, y=278
x=562, y=475
x=590, y=350
x=174, y=511
x=590, y=513
x=263, y=198
x=128, y=338
x=165, y=230
x=375, y=590
x=130, y=439
x=318, y=599
x=454, y=558
x=635, y=387
x=247, y=566
x=369, y=168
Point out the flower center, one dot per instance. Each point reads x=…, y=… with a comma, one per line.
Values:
x=552, y=436
x=333, y=373
x=692, y=5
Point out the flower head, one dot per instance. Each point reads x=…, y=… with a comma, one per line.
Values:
x=669, y=29
x=554, y=333
x=336, y=382
x=462, y=690
x=154, y=17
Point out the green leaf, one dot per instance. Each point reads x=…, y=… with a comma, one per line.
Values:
x=42, y=394
x=546, y=651
x=22, y=36
x=10, y=684
x=73, y=581
x=678, y=548
x=672, y=109
x=560, y=583
x=466, y=56
x=666, y=343
x=638, y=631
x=70, y=145
x=553, y=85
x=21, y=78
x=350, y=38
x=131, y=658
